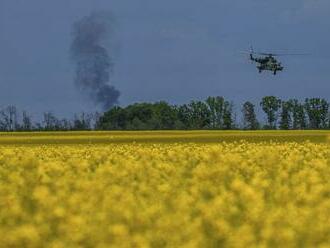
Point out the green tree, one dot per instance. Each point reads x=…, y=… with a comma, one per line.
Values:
x=199, y=115
x=270, y=105
x=317, y=111
x=164, y=116
x=216, y=109
x=137, y=124
x=228, y=122
x=249, y=116
x=140, y=116
x=285, y=121
x=184, y=117
x=211, y=103
x=141, y=111
x=298, y=114
x=114, y=119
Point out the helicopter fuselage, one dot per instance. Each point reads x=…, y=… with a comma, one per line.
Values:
x=268, y=63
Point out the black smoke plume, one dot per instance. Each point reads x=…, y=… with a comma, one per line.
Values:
x=94, y=64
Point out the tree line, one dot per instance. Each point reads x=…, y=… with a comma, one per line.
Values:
x=219, y=114
x=11, y=119
x=215, y=113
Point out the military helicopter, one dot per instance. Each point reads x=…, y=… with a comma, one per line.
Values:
x=268, y=62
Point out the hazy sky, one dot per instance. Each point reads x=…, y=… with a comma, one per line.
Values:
x=173, y=50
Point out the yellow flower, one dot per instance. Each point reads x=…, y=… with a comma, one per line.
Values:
x=179, y=194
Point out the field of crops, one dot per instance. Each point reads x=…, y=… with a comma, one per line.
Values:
x=165, y=189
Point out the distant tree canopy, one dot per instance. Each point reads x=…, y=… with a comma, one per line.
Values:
x=218, y=113
x=215, y=113
x=250, y=121
x=271, y=105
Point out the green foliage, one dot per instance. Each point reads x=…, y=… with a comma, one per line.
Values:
x=317, y=111
x=285, y=121
x=218, y=114
x=199, y=115
x=140, y=116
x=114, y=119
x=270, y=105
x=216, y=109
x=298, y=114
x=249, y=116
x=215, y=113
x=228, y=122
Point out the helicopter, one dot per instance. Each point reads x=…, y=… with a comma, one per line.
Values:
x=268, y=61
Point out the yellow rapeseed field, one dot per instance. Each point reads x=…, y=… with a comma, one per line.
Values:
x=169, y=190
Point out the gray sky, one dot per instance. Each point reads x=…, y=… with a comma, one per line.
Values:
x=173, y=50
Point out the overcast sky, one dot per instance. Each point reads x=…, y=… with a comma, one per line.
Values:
x=173, y=50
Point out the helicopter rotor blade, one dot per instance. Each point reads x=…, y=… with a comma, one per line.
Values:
x=248, y=52
x=284, y=54
x=292, y=54
x=244, y=52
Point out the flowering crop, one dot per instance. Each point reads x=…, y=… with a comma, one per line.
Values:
x=234, y=194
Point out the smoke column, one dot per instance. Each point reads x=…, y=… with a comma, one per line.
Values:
x=94, y=65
